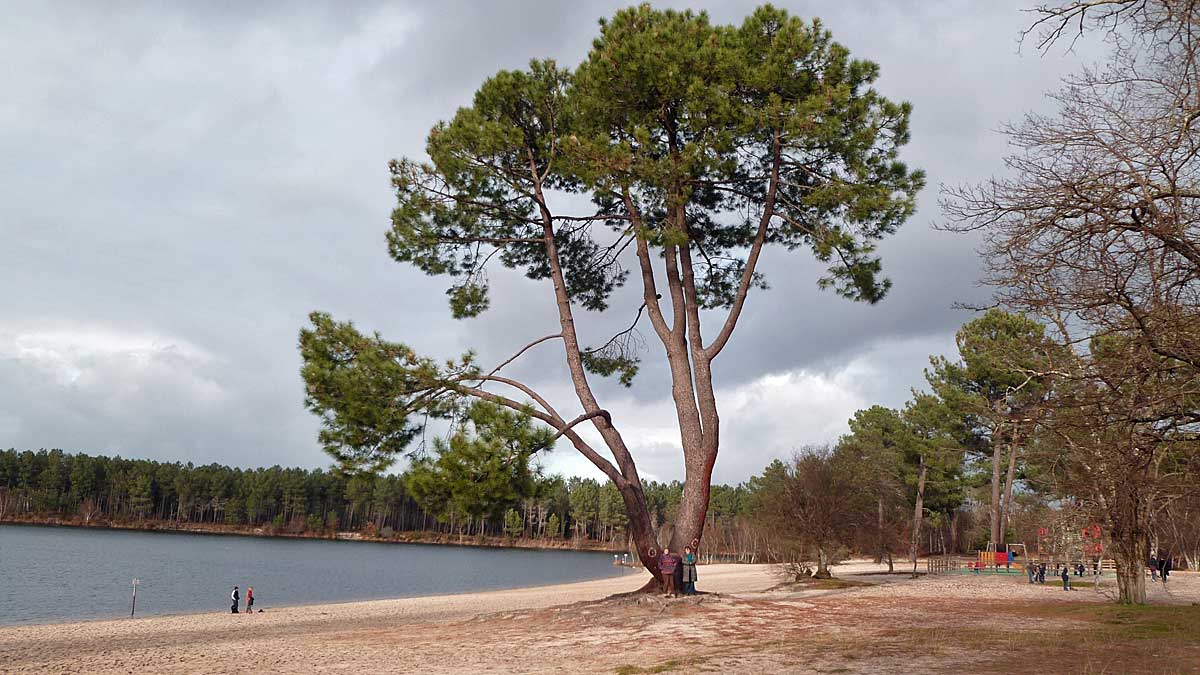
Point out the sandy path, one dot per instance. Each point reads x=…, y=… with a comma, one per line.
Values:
x=748, y=627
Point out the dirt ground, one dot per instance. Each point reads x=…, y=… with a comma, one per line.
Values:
x=862, y=623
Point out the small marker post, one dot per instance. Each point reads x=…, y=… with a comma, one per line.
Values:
x=133, y=604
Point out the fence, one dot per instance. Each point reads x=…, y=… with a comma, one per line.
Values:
x=942, y=565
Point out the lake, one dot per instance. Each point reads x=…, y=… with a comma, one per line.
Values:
x=50, y=574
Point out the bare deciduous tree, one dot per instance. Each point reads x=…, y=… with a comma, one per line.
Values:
x=1097, y=231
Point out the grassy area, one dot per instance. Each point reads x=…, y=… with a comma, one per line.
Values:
x=955, y=637
x=1139, y=622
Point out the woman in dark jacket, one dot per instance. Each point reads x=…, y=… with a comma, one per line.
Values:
x=1164, y=567
x=689, y=571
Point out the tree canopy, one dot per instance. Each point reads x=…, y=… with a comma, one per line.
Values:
x=677, y=150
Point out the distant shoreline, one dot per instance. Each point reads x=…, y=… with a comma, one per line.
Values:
x=428, y=538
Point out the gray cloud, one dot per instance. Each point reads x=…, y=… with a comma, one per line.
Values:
x=182, y=184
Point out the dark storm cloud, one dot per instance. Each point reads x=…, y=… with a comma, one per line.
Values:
x=182, y=184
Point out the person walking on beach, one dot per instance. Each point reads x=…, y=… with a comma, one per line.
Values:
x=249, y=599
x=667, y=563
x=235, y=598
x=689, y=571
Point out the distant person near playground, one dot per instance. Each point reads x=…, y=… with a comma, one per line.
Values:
x=249, y=599
x=235, y=598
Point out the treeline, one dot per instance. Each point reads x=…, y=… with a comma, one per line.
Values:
x=974, y=461
x=54, y=485
x=995, y=453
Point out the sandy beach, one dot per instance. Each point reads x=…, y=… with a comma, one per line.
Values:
x=748, y=622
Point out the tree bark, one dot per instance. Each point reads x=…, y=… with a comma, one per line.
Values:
x=954, y=531
x=1130, y=555
x=879, y=533
x=918, y=512
x=1007, y=507
x=1130, y=533
x=822, y=564
x=996, y=534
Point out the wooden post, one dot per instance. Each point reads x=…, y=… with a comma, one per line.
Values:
x=133, y=604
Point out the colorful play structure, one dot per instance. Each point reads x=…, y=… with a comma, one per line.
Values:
x=1055, y=547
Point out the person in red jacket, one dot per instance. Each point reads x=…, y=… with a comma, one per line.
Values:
x=667, y=562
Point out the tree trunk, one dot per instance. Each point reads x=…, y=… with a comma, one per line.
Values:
x=918, y=512
x=995, y=505
x=1131, y=547
x=641, y=531
x=1131, y=578
x=954, y=531
x=822, y=565
x=1007, y=508
x=879, y=533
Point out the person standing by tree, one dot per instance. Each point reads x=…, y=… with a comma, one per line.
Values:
x=667, y=563
x=689, y=571
x=235, y=598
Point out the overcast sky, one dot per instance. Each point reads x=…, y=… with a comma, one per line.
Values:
x=181, y=183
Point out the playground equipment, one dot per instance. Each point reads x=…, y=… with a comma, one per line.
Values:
x=1072, y=546
x=1008, y=558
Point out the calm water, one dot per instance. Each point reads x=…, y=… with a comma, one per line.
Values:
x=53, y=574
